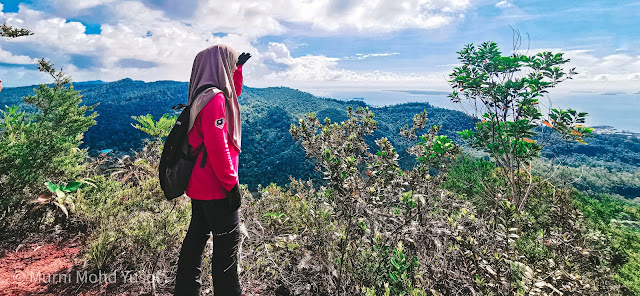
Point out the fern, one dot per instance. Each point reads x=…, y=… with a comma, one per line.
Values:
x=158, y=129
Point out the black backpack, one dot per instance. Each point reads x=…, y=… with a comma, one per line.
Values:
x=176, y=161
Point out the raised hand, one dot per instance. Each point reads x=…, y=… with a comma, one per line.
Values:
x=243, y=58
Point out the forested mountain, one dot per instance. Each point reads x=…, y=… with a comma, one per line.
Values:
x=269, y=152
x=267, y=113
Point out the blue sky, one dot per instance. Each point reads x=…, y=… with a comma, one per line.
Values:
x=342, y=44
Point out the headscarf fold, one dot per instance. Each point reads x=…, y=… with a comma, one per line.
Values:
x=213, y=67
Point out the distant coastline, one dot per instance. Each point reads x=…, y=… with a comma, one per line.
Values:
x=610, y=113
x=610, y=130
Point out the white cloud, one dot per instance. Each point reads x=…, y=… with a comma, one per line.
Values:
x=94, y=9
x=504, y=4
x=313, y=69
x=141, y=35
x=257, y=18
x=362, y=56
x=616, y=72
x=51, y=31
x=74, y=6
x=9, y=58
x=138, y=33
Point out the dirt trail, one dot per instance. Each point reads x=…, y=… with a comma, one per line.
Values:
x=52, y=268
x=48, y=265
x=37, y=269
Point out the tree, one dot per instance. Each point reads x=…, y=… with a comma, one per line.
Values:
x=503, y=93
x=43, y=145
x=8, y=31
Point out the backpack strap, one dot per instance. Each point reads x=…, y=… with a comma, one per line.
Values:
x=195, y=107
x=199, y=102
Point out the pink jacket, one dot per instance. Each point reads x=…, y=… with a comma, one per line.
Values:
x=221, y=169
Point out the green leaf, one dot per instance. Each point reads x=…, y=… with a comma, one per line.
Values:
x=71, y=187
x=52, y=187
x=394, y=278
x=395, y=264
x=274, y=215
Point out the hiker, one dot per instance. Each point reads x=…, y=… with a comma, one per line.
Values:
x=0, y=85
x=213, y=186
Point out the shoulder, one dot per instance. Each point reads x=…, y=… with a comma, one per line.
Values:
x=217, y=102
x=214, y=109
x=219, y=96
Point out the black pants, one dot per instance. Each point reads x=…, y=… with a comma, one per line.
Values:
x=210, y=216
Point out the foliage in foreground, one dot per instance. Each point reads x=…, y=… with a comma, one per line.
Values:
x=618, y=222
x=374, y=230
x=465, y=239
x=378, y=230
x=41, y=146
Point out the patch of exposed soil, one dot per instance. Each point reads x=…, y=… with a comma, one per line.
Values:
x=30, y=269
x=52, y=265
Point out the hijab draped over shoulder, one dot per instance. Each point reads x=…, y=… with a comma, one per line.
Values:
x=213, y=67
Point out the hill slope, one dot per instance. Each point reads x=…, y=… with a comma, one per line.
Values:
x=267, y=113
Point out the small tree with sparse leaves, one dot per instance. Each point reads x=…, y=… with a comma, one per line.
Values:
x=503, y=95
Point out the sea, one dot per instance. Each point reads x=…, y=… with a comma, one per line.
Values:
x=618, y=111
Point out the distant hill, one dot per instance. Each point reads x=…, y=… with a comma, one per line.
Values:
x=267, y=113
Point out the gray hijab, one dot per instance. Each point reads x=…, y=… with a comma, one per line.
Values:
x=213, y=72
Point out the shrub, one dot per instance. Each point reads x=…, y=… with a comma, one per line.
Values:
x=43, y=146
x=476, y=180
x=101, y=249
x=134, y=211
x=615, y=225
x=158, y=129
x=377, y=230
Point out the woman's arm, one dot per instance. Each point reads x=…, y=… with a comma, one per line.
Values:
x=237, y=80
x=214, y=130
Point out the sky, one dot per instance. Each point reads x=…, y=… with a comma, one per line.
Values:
x=319, y=44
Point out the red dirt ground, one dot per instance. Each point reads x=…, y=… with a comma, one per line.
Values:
x=50, y=268
x=39, y=268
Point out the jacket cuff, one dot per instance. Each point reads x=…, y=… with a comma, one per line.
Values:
x=231, y=188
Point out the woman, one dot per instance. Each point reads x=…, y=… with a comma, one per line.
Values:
x=216, y=83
